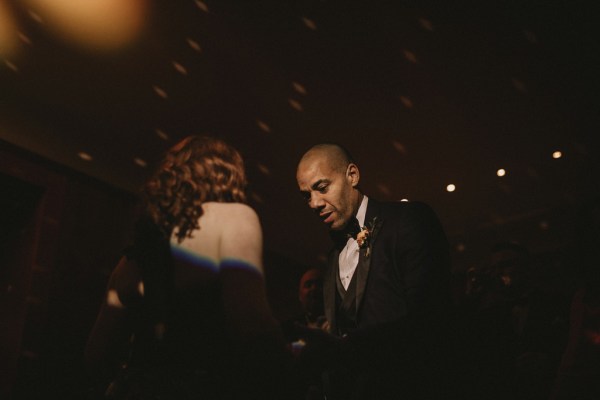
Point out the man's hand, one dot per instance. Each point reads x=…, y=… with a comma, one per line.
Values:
x=320, y=349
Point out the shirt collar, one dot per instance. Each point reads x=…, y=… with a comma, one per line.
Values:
x=362, y=211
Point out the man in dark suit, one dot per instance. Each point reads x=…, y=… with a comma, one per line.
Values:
x=386, y=290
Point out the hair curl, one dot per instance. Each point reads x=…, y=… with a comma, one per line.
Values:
x=198, y=169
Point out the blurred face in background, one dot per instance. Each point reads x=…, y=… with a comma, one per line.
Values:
x=311, y=292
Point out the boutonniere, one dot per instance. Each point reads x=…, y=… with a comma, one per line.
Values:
x=364, y=238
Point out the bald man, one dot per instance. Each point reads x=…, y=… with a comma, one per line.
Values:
x=386, y=288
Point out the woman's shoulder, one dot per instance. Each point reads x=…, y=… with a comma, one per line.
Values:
x=222, y=206
x=240, y=233
x=230, y=211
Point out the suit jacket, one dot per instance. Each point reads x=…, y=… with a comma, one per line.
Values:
x=400, y=297
x=402, y=274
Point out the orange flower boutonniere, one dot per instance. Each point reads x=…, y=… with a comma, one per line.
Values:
x=364, y=237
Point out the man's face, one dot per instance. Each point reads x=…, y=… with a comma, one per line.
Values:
x=330, y=193
x=311, y=292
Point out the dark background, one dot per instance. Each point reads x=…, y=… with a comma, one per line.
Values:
x=422, y=96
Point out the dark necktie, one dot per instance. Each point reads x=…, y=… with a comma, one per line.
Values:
x=340, y=238
x=352, y=228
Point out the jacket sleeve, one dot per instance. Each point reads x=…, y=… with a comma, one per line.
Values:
x=423, y=260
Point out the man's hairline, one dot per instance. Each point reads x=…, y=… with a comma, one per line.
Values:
x=341, y=168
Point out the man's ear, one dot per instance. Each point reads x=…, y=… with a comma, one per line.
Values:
x=353, y=174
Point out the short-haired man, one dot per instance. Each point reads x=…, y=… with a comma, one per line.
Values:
x=386, y=288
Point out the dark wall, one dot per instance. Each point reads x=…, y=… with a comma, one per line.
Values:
x=62, y=234
x=65, y=232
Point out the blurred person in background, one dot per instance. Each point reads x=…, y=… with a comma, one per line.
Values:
x=185, y=313
x=578, y=375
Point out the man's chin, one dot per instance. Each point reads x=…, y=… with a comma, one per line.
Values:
x=335, y=227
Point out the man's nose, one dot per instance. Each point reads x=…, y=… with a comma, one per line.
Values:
x=316, y=202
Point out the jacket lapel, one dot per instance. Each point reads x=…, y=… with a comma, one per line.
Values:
x=330, y=289
x=365, y=257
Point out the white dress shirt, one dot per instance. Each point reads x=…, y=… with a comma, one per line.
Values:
x=348, y=259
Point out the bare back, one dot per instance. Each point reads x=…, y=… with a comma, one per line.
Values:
x=219, y=292
x=228, y=231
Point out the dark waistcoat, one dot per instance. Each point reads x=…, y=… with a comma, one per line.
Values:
x=345, y=303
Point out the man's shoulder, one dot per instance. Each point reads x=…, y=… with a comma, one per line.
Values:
x=410, y=223
x=409, y=215
x=403, y=208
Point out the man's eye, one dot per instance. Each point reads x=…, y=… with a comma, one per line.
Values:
x=322, y=189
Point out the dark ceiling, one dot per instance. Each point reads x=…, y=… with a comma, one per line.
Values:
x=423, y=96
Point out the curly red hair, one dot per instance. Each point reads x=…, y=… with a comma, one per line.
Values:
x=198, y=169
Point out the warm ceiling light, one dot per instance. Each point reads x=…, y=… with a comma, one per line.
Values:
x=85, y=156
x=384, y=189
x=399, y=147
x=295, y=104
x=451, y=188
x=404, y=200
x=557, y=155
x=426, y=24
x=263, y=169
x=309, y=23
x=410, y=56
x=25, y=39
x=256, y=197
x=95, y=24
x=407, y=102
x=8, y=31
x=160, y=92
x=194, y=45
x=11, y=66
x=138, y=161
x=180, y=68
x=299, y=88
x=263, y=126
x=161, y=134
x=202, y=5
x=501, y=172
x=36, y=17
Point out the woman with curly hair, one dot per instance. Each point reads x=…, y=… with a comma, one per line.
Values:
x=186, y=307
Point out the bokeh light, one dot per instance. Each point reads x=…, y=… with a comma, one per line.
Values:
x=93, y=24
x=8, y=32
x=140, y=162
x=85, y=156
